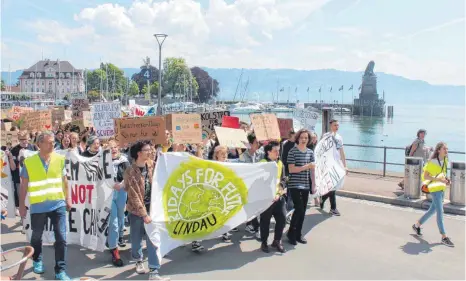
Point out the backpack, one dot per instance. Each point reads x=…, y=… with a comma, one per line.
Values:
x=408, y=150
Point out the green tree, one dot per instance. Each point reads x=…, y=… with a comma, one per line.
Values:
x=177, y=78
x=107, y=74
x=154, y=89
x=208, y=87
x=133, y=89
x=2, y=85
x=141, y=80
x=93, y=95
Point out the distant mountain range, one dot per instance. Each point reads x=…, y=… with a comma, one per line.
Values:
x=264, y=82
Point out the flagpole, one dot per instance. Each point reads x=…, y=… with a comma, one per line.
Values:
x=341, y=106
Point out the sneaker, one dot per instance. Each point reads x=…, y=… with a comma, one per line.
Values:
x=38, y=267
x=196, y=246
x=234, y=229
x=121, y=242
x=301, y=240
x=447, y=242
x=272, y=221
x=140, y=268
x=265, y=247
x=258, y=235
x=417, y=230
x=278, y=245
x=116, y=260
x=335, y=213
x=250, y=229
x=62, y=276
x=154, y=275
x=226, y=237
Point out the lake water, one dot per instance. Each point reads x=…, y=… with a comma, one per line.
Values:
x=443, y=123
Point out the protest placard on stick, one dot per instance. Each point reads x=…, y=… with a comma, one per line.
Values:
x=210, y=120
x=130, y=130
x=265, y=126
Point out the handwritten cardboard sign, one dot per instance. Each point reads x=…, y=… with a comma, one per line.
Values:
x=102, y=118
x=9, y=138
x=285, y=125
x=130, y=130
x=186, y=128
x=305, y=119
x=87, y=119
x=78, y=106
x=61, y=116
x=235, y=138
x=16, y=112
x=210, y=120
x=37, y=120
x=265, y=126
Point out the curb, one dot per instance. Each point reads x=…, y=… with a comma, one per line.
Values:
x=402, y=201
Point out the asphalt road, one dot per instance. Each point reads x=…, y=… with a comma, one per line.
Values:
x=369, y=241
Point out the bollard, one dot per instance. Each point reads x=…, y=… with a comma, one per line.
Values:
x=457, y=188
x=412, y=179
x=327, y=115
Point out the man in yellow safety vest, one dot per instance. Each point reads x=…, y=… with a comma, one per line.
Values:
x=44, y=179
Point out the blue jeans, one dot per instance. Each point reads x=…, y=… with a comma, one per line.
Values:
x=58, y=220
x=117, y=218
x=436, y=206
x=137, y=232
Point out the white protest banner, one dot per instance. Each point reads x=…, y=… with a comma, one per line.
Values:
x=329, y=172
x=305, y=119
x=210, y=120
x=195, y=199
x=7, y=200
x=102, y=118
x=90, y=181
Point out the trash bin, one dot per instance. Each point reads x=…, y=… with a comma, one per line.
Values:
x=412, y=179
x=457, y=188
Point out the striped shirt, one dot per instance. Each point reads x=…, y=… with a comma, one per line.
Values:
x=301, y=180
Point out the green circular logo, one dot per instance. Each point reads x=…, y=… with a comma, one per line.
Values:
x=200, y=197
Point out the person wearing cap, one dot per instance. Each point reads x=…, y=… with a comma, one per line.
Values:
x=417, y=149
x=93, y=147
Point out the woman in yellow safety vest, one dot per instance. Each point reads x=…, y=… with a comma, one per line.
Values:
x=277, y=209
x=435, y=177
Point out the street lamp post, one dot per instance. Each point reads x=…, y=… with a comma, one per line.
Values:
x=160, y=39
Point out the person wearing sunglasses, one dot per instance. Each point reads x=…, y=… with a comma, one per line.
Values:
x=138, y=184
x=24, y=144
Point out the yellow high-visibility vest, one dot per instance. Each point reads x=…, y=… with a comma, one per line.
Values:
x=435, y=171
x=280, y=171
x=44, y=186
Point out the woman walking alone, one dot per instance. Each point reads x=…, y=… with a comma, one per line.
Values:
x=435, y=177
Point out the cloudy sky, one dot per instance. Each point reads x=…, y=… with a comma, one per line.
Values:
x=417, y=39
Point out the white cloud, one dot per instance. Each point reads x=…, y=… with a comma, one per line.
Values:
x=320, y=49
x=243, y=33
x=60, y=34
x=349, y=31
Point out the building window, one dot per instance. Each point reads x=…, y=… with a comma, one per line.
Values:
x=62, y=75
x=39, y=74
x=68, y=75
x=50, y=83
x=31, y=75
x=43, y=83
x=68, y=83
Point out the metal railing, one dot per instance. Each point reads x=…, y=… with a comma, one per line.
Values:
x=385, y=163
